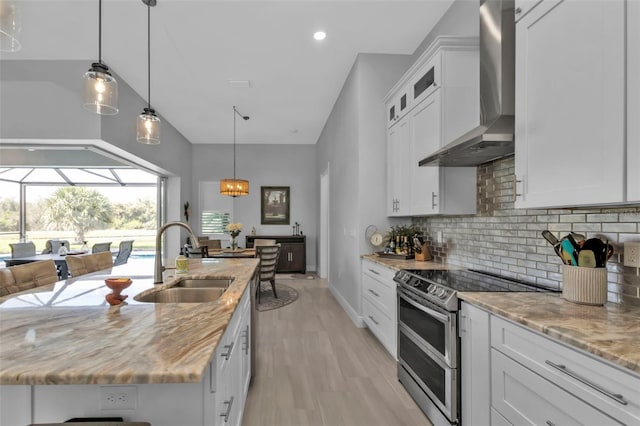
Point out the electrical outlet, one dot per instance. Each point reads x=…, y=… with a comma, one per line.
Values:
x=632, y=254
x=118, y=397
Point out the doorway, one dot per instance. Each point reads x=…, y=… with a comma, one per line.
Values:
x=323, y=270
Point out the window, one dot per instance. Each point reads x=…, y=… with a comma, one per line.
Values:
x=216, y=211
x=214, y=222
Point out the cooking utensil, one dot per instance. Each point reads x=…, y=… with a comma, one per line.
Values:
x=417, y=244
x=570, y=251
x=556, y=245
x=601, y=251
x=586, y=259
x=550, y=237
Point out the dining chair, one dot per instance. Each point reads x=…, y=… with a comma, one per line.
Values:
x=211, y=244
x=263, y=242
x=52, y=246
x=267, y=270
x=22, y=249
x=124, y=251
x=100, y=247
x=26, y=276
x=87, y=263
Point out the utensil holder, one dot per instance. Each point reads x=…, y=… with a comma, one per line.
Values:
x=587, y=286
x=425, y=254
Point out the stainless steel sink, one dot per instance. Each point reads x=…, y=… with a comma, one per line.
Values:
x=203, y=283
x=181, y=295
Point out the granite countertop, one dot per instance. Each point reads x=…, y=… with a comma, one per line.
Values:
x=398, y=264
x=611, y=331
x=66, y=333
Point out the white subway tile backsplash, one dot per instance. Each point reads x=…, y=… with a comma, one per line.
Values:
x=507, y=241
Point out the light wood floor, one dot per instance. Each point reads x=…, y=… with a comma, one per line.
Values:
x=315, y=367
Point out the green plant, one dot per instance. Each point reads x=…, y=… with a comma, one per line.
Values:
x=402, y=231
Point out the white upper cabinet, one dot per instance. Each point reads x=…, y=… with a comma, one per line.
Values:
x=633, y=101
x=398, y=168
x=570, y=104
x=443, y=104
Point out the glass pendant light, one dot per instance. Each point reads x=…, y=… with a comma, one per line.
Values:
x=148, y=122
x=235, y=187
x=9, y=26
x=100, y=88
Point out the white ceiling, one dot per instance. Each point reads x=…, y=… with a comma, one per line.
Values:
x=197, y=46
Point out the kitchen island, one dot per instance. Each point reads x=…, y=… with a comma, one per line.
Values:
x=59, y=343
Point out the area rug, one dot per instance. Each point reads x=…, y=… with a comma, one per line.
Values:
x=286, y=295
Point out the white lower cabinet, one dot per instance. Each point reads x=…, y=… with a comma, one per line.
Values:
x=473, y=326
x=379, y=304
x=524, y=398
x=512, y=375
x=217, y=400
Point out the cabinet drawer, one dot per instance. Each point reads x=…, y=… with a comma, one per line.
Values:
x=523, y=397
x=379, y=294
x=381, y=325
x=609, y=388
x=379, y=272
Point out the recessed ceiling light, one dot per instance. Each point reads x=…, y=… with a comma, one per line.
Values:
x=319, y=35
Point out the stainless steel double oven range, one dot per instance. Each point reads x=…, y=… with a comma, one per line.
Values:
x=428, y=342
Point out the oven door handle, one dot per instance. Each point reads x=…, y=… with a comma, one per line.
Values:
x=437, y=315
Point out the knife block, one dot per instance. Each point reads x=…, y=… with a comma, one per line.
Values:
x=425, y=254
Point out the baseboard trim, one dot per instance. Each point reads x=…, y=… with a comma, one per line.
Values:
x=355, y=317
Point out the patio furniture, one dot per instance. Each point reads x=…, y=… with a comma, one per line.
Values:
x=100, y=247
x=267, y=270
x=52, y=246
x=23, y=249
x=24, y=277
x=60, y=261
x=87, y=263
x=124, y=251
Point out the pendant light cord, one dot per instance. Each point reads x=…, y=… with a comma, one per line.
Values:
x=149, y=55
x=234, y=143
x=99, y=31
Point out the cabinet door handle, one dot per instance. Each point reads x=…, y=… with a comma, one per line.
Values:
x=373, y=271
x=515, y=187
x=245, y=343
x=563, y=369
x=461, y=326
x=518, y=11
x=374, y=293
x=229, y=350
x=227, y=413
x=374, y=320
x=433, y=200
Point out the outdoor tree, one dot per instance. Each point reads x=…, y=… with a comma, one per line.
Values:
x=77, y=209
x=9, y=214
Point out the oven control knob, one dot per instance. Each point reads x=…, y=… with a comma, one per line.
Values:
x=432, y=288
x=442, y=293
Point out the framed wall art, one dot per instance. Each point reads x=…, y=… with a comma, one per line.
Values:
x=274, y=205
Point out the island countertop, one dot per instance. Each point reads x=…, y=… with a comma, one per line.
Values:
x=67, y=334
x=611, y=331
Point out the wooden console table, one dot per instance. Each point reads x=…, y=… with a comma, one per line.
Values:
x=293, y=251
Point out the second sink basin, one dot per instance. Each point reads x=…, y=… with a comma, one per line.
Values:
x=182, y=295
x=203, y=283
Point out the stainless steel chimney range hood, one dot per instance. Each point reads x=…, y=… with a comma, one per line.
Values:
x=494, y=137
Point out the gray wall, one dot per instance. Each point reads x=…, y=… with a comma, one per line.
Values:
x=352, y=146
x=461, y=19
x=263, y=165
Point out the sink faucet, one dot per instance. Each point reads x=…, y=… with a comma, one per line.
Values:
x=157, y=276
